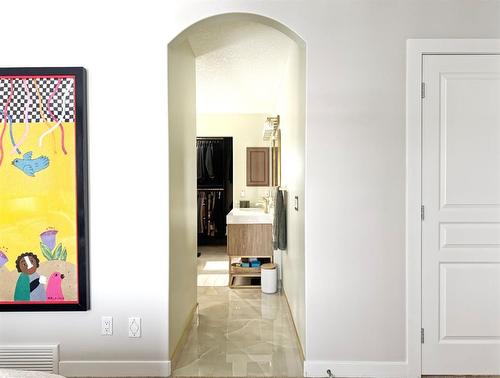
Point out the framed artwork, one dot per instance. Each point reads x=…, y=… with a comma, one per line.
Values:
x=44, y=256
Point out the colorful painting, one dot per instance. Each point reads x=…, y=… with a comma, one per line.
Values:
x=43, y=190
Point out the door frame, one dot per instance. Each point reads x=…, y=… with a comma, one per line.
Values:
x=415, y=51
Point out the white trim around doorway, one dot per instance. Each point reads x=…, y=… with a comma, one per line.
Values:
x=415, y=50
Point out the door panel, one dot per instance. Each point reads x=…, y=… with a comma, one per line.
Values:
x=469, y=235
x=469, y=302
x=469, y=155
x=461, y=229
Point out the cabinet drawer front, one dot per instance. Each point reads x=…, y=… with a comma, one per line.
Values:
x=249, y=240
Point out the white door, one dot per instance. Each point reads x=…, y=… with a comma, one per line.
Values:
x=461, y=226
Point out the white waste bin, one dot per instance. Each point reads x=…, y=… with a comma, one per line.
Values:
x=269, y=278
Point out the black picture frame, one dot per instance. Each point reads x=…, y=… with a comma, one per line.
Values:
x=81, y=148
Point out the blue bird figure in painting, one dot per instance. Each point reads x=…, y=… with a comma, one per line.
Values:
x=29, y=165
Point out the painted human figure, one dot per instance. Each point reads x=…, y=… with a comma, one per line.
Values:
x=29, y=285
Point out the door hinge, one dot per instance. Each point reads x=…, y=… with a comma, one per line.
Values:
x=422, y=212
x=422, y=335
x=422, y=90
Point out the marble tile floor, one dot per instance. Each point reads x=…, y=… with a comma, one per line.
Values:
x=237, y=333
x=213, y=266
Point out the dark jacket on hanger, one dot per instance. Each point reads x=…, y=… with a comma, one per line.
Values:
x=209, y=161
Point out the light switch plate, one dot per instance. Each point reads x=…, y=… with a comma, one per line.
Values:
x=134, y=327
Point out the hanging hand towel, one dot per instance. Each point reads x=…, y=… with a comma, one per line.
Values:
x=279, y=228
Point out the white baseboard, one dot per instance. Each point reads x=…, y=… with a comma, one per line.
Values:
x=115, y=368
x=372, y=369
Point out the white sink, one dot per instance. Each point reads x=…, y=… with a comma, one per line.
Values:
x=251, y=215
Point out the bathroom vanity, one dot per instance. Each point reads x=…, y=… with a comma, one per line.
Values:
x=249, y=235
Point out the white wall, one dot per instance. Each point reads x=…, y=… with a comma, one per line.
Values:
x=127, y=108
x=246, y=130
x=182, y=199
x=239, y=65
x=355, y=173
x=291, y=108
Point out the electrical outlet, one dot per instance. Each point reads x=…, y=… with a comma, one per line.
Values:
x=107, y=326
x=134, y=327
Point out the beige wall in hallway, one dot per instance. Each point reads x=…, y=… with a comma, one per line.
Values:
x=182, y=199
x=291, y=108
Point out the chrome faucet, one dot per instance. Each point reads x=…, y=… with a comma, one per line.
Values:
x=267, y=203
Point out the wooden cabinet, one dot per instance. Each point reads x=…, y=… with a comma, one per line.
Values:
x=257, y=166
x=247, y=241
x=250, y=240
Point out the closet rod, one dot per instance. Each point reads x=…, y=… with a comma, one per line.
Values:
x=211, y=189
x=208, y=138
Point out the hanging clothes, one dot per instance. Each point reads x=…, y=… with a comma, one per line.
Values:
x=215, y=187
x=200, y=160
x=211, y=226
x=211, y=212
x=209, y=160
x=201, y=212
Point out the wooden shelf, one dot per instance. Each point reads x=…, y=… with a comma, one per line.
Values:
x=245, y=272
x=239, y=271
x=232, y=284
x=246, y=275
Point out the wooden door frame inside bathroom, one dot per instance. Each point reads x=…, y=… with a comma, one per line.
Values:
x=415, y=51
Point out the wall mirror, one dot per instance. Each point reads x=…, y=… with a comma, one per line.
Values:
x=272, y=133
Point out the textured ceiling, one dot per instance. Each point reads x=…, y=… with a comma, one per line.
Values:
x=240, y=66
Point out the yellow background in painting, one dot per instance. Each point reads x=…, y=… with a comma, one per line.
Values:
x=30, y=205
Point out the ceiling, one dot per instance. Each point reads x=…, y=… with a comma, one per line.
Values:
x=240, y=66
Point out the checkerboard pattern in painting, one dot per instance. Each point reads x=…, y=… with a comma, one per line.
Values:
x=46, y=86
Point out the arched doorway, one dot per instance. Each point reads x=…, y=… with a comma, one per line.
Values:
x=233, y=49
